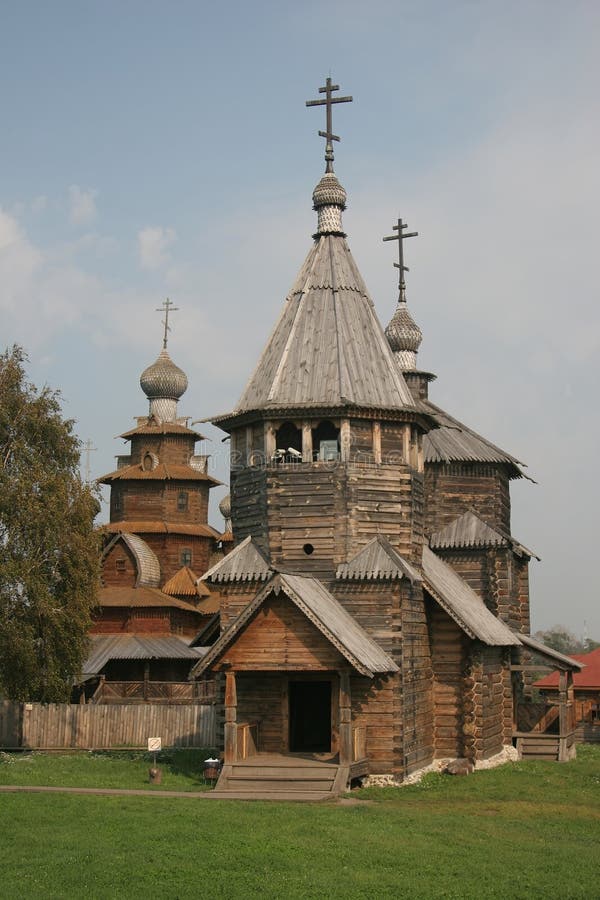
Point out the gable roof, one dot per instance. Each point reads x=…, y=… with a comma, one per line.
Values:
x=103, y=648
x=471, y=531
x=328, y=348
x=314, y=600
x=246, y=562
x=146, y=561
x=453, y=441
x=185, y=583
x=377, y=560
x=462, y=603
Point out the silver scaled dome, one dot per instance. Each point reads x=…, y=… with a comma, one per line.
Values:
x=163, y=379
x=225, y=507
x=329, y=200
x=404, y=336
x=163, y=384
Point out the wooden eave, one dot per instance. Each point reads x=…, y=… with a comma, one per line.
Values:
x=158, y=526
x=162, y=472
x=229, y=421
x=349, y=634
x=164, y=428
x=557, y=660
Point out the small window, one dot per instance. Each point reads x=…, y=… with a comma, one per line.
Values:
x=120, y=565
x=186, y=557
x=308, y=549
x=182, y=501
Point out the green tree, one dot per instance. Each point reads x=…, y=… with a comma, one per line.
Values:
x=49, y=552
x=560, y=638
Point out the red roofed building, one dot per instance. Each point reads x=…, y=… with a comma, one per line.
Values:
x=586, y=686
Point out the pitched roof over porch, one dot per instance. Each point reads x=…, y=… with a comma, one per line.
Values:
x=313, y=600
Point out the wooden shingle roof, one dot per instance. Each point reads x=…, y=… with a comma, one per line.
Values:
x=146, y=561
x=246, y=562
x=324, y=611
x=462, y=603
x=161, y=472
x=103, y=648
x=185, y=583
x=470, y=531
x=453, y=441
x=377, y=560
x=328, y=348
x=140, y=598
x=158, y=526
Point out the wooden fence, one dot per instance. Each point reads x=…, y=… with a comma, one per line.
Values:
x=37, y=726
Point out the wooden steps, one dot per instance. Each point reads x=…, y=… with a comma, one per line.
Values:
x=274, y=777
x=538, y=746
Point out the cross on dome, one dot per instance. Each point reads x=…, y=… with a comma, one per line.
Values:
x=328, y=134
x=401, y=237
x=167, y=305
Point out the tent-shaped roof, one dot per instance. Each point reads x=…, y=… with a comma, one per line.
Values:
x=328, y=348
x=462, y=603
x=332, y=620
x=471, y=531
x=185, y=583
x=246, y=562
x=377, y=560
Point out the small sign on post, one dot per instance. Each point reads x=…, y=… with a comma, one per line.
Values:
x=154, y=746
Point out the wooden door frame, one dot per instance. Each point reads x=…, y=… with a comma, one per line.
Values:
x=334, y=681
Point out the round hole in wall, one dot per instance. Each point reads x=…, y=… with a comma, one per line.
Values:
x=308, y=549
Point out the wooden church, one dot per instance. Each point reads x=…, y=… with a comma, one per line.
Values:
x=375, y=605
x=151, y=604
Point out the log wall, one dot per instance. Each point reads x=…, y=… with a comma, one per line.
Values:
x=415, y=711
x=451, y=490
x=448, y=649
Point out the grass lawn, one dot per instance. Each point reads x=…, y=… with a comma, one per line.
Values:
x=526, y=830
x=181, y=769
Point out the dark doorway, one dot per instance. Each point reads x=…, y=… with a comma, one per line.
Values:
x=310, y=716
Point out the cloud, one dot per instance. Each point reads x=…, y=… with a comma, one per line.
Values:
x=153, y=243
x=82, y=205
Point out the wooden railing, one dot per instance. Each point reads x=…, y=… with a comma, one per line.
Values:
x=155, y=692
x=247, y=739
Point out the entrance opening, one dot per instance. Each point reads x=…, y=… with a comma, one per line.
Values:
x=310, y=716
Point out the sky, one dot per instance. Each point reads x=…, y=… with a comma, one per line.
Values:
x=163, y=149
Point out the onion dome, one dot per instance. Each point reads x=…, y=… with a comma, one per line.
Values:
x=225, y=510
x=163, y=384
x=329, y=200
x=404, y=336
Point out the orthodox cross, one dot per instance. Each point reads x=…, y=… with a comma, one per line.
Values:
x=167, y=306
x=328, y=102
x=88, y=447
x=401, y=237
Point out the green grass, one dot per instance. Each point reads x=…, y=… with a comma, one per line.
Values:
x=181, y=769
x=525, y=831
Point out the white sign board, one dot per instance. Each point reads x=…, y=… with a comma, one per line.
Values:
x=154, y=745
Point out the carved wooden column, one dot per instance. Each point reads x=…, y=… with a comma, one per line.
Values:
x=230, y=718
x=345, y=720
x=307, y=443
x=377, y=443
x=564, y=725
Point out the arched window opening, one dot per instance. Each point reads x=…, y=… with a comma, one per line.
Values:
x=186, y=557
x=288, y=443
x=326, y=441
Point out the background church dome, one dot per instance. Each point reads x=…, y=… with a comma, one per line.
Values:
x=163, y=379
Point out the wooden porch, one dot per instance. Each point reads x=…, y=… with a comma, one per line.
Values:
x=147, y=691
x=547, y=730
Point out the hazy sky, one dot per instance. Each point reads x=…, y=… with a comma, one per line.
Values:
x=154, y=149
